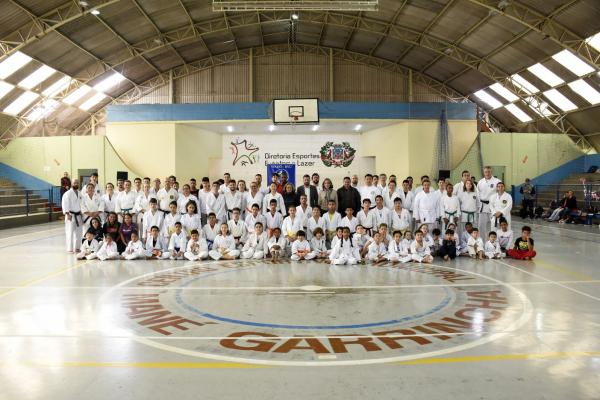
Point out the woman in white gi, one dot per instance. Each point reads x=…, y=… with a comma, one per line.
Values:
x=224, y=246
x=191, y=220
x=109, y=201
x=344, y=252
x=469, y=204
x=91, y=206
x=500, y=206
x=426, y=206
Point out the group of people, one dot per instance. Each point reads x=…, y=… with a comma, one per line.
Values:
x=378, y=221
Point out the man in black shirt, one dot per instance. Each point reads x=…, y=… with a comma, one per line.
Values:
x=348, y=197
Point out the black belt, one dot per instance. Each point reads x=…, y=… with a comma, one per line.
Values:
x=76, y=213
x=485, y=201
x=165, y=212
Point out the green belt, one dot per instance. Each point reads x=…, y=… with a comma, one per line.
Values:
x=470, y=215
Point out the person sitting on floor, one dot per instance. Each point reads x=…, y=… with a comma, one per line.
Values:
x=523, y=248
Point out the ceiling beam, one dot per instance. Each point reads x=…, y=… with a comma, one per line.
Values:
x=193, y=27
x=393, y=22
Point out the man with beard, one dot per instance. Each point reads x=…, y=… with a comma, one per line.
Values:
x=71, y=208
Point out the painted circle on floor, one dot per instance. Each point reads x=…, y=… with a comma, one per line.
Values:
x=310, y=314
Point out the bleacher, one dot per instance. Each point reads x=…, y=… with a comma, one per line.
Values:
x=20, y=206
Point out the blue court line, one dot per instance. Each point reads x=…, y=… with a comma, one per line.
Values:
x=445, y=301
x=31, y=241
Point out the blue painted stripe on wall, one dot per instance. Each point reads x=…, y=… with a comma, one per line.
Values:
x=24, y=179
x=327, y=110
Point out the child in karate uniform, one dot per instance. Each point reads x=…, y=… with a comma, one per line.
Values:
x=448, y=248
x=492, y=247
x=156, y=246
x=344, y=251
x=169, y=221
x=464, y=239
x=349, y=221
x=276, y=245
x=398, y=249
x=108, y=251
x=318, y=245
x=361, y=238
x=90, y=245
x=224, y=246
x=197, y=248
x=505, y=237
x=301, y=248
x=256, y=245
x=237, y=227
x=211, y=230
x=419, y=250
x=333, y=219
x=377, y=251
x=152, y=217
x=135, y=248
x=315, y=221
x=177, y=242
x=339, y=233
x=475, y=245
x=191, y=220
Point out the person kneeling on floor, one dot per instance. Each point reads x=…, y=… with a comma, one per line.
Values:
x=523, y=248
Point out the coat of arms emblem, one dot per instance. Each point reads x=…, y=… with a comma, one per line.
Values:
x=337, y=155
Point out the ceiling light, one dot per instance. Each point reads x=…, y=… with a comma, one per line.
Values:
x=13, y=63
x=295, y=16
x=358, y=127
x=36, y=77
x=518, y=113
x=92, y=101
x=315, y=128
x=271, y=128
x=545, y=75
x=560, y=100
x=57, y=87
x=21, y=103
x=84, y=3
x=5, y=88
x=77, y=95
x=488, y=99
x=573, y=63
x=504, y=92
x=524, y=84
x=230, y=129
x=95, y=12
x=43, y=110
x=109, y=82
x=594, y=41
x=585, y=90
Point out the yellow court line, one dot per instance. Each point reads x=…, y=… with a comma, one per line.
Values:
x=563, y=270
x=43, y=278
x=139, y=364
x=503, y=357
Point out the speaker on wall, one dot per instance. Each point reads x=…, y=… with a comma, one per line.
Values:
x=122, y=175
x=444, y=174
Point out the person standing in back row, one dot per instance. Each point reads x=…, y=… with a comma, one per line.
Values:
x=348, y=197
x=311, y=193
x=71, y=208
x=486, y=188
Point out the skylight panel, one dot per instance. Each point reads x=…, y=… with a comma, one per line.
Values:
x=109, y=82
x=21, y=103
x=36, y=77
x=92, y=101
x=594, y=41
x=77, y=95
x=13, y=63
x=518, y=113
x=488, y=99
x=545, y=75
x=504, y=92
x=585, y=90
x=5, y=88
x=524, y=84
x=560, y=100
x=43, y=110
x=573, y=63
x=57, y=86
x=539, y=107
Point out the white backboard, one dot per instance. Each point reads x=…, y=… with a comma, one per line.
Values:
x=295, y=111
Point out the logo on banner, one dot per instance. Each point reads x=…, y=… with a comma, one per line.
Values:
x=244, y=152
x=337, y=155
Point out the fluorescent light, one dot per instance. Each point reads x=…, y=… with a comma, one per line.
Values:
x=295, y=16
x=92, y=101
x=36, y=77
x=21, y=103
x=109, y=82
x=77, y=94
x=560, y=100
x=5, y=88
x=504, y=92
x=524, y=84
x=585, y=90
x=315, y=128
x=545, y=75
x=43, y=110
x=573, y=63
x=358, y=127
x=594, y=41
x=230, y=129
x=57, y=86
x=539, y=107
x=95, y=12
x=271, y=128
x=13, y=63
x=518, y=113
x=488, y=99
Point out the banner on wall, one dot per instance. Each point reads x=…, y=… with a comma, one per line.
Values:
x=280, y=169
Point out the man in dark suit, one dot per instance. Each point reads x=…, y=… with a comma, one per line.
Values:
x=311, y=193
x=348, y=196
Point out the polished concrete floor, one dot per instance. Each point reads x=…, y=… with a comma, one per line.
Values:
x=254, y=330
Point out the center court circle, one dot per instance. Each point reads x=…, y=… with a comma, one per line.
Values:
x=256, y=312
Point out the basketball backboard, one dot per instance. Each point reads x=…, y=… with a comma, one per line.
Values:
x=295, y=111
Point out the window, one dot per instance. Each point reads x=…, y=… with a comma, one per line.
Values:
x=545, y=75
x=92, y=101
x=585, y=90
x=13, y=63
x=573, y=63
x=488, y=99
x=109, y=82
x=504, y=92
x=518, y=113
x=21, y=103
x=524, y=84
x=43, y=110
x=77, y=95
x=36, y=77
x=560, y=100
x=539, y=107
x=57, y=87
x=5, y=88
x=594, y=41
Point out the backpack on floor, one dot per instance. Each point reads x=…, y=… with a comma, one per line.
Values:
x=538, y=211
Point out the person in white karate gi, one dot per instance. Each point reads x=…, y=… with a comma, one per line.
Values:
x=253, y=217
x=71, y=208
x=109, y=201
x=401, y=218
x=185, y=197
x=254, y=196
x=291, y=225
x=449, y=207
x=177, y=242
x=108, y=251
x=301, y=248
x=215, y=203
x=237, y=227
x=233, y=199
x=156, y=245
x=197, y=248
x=135, y=248
x=277, y=245
x=491, y=248
x=419, y=251
x=475, y=245
x=91, y=206
x=426, y=206
x=211, y=229
x=88, y=246
x=345, y=252
x=313, y=222
x=377, y=252
x=274, y=195
x=166, y=196
x=256, y=245
x=224, y=245
x=500, y=206
x=398, y=250
x=486, y=188
x=318, y=245
x=125, y=203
